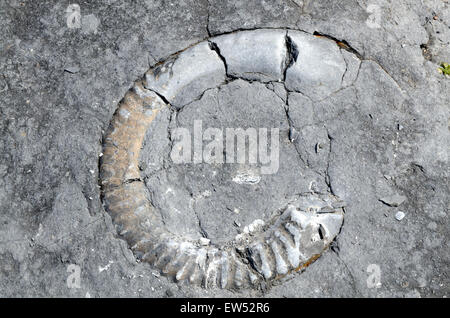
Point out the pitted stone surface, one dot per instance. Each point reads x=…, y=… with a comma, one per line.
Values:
x=254, y=55
x=319, y=67
x=183, y=79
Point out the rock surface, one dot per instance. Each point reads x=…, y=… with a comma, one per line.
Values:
x=52, y=123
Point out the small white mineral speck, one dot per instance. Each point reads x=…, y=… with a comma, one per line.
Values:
x=399, y=215
x=204, y=241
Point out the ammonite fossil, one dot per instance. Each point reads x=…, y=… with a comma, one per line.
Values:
x=285, y=238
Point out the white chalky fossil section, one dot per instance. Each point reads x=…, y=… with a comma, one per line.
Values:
x=266, y=249
x=319, y=66
x=254, y=55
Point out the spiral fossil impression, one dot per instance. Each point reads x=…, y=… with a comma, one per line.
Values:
x=293, y=237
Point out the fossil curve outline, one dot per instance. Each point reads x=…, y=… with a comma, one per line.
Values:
x=290, y=241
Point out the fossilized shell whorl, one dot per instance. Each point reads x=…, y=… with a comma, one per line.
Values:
x=292, y=238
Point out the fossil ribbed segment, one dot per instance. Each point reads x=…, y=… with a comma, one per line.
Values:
x=291, y=238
